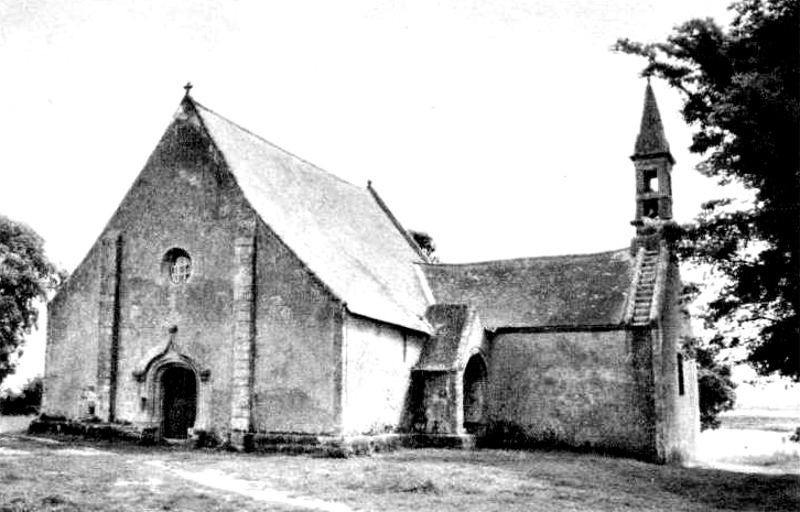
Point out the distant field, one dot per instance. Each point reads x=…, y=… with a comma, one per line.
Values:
x=755, y=437
x=745, y=421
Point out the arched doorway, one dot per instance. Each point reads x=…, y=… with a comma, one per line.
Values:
x=179, y=401
x=474, y=394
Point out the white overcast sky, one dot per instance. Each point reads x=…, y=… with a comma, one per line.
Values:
x=501, y=127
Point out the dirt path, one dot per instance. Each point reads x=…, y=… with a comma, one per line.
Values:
x=211, y=478
x=223, y=482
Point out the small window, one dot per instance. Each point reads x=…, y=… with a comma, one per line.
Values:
x=650, y=208
x=650, y=180
x=177, y=265
x=681, y=388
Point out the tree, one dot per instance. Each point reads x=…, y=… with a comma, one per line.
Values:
x=715, y=387
x=741, y=92
x=26, y=401
x=425, y=243
x=25, y=276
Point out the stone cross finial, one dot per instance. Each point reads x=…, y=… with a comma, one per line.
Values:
x=188, y=87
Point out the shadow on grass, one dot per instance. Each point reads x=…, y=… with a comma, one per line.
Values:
x=714, y=489
x=727, y=490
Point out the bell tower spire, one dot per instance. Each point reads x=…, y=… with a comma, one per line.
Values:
x=653, y=163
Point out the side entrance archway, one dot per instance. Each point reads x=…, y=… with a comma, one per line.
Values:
x=475, y=395
x=178, y=402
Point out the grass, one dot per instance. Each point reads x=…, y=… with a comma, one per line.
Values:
x=37, y=476
x=47, y=480
x=48, y=477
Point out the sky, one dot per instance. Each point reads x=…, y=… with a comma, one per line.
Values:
x=503, y=128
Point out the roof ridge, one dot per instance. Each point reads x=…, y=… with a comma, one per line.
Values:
x=524, y=258
x=373, y=273
x=272, y=144
x=383, y=206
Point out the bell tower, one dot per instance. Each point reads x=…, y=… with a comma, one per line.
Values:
x=653, y=163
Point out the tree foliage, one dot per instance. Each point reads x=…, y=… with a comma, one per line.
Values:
x=25, y=276
x=26, y=401
x=716, y=389
x=425, y=243
x=741, y=91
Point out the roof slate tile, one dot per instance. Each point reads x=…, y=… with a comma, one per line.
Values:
x=337, y=229
x=578, y=290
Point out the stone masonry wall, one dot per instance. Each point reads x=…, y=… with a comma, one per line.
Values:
x=72, y=348
x=108, y=324
x=441, y=404
x=377, y=376
x=243, y=342
x=183, y=199
x=580, y=389
x=681, y=411
x=298, y=324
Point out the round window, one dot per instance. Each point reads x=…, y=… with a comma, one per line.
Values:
x=178, y=265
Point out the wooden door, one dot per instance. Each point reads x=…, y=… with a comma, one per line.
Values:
x=179, y=388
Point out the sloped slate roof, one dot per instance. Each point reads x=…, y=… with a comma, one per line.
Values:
x=337, y=229
x=580, y=290
x=448, y=322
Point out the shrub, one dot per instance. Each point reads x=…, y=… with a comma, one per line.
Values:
x=26, y=401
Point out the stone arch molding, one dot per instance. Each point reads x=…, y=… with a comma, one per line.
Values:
x=471, y=352
x=474, y=381
x=168, y=353
x=149, y=371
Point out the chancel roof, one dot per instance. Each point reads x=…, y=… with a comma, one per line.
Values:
x=557, y=291
x=340, y=231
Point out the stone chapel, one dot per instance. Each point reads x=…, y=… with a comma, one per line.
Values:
x=243, y=294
